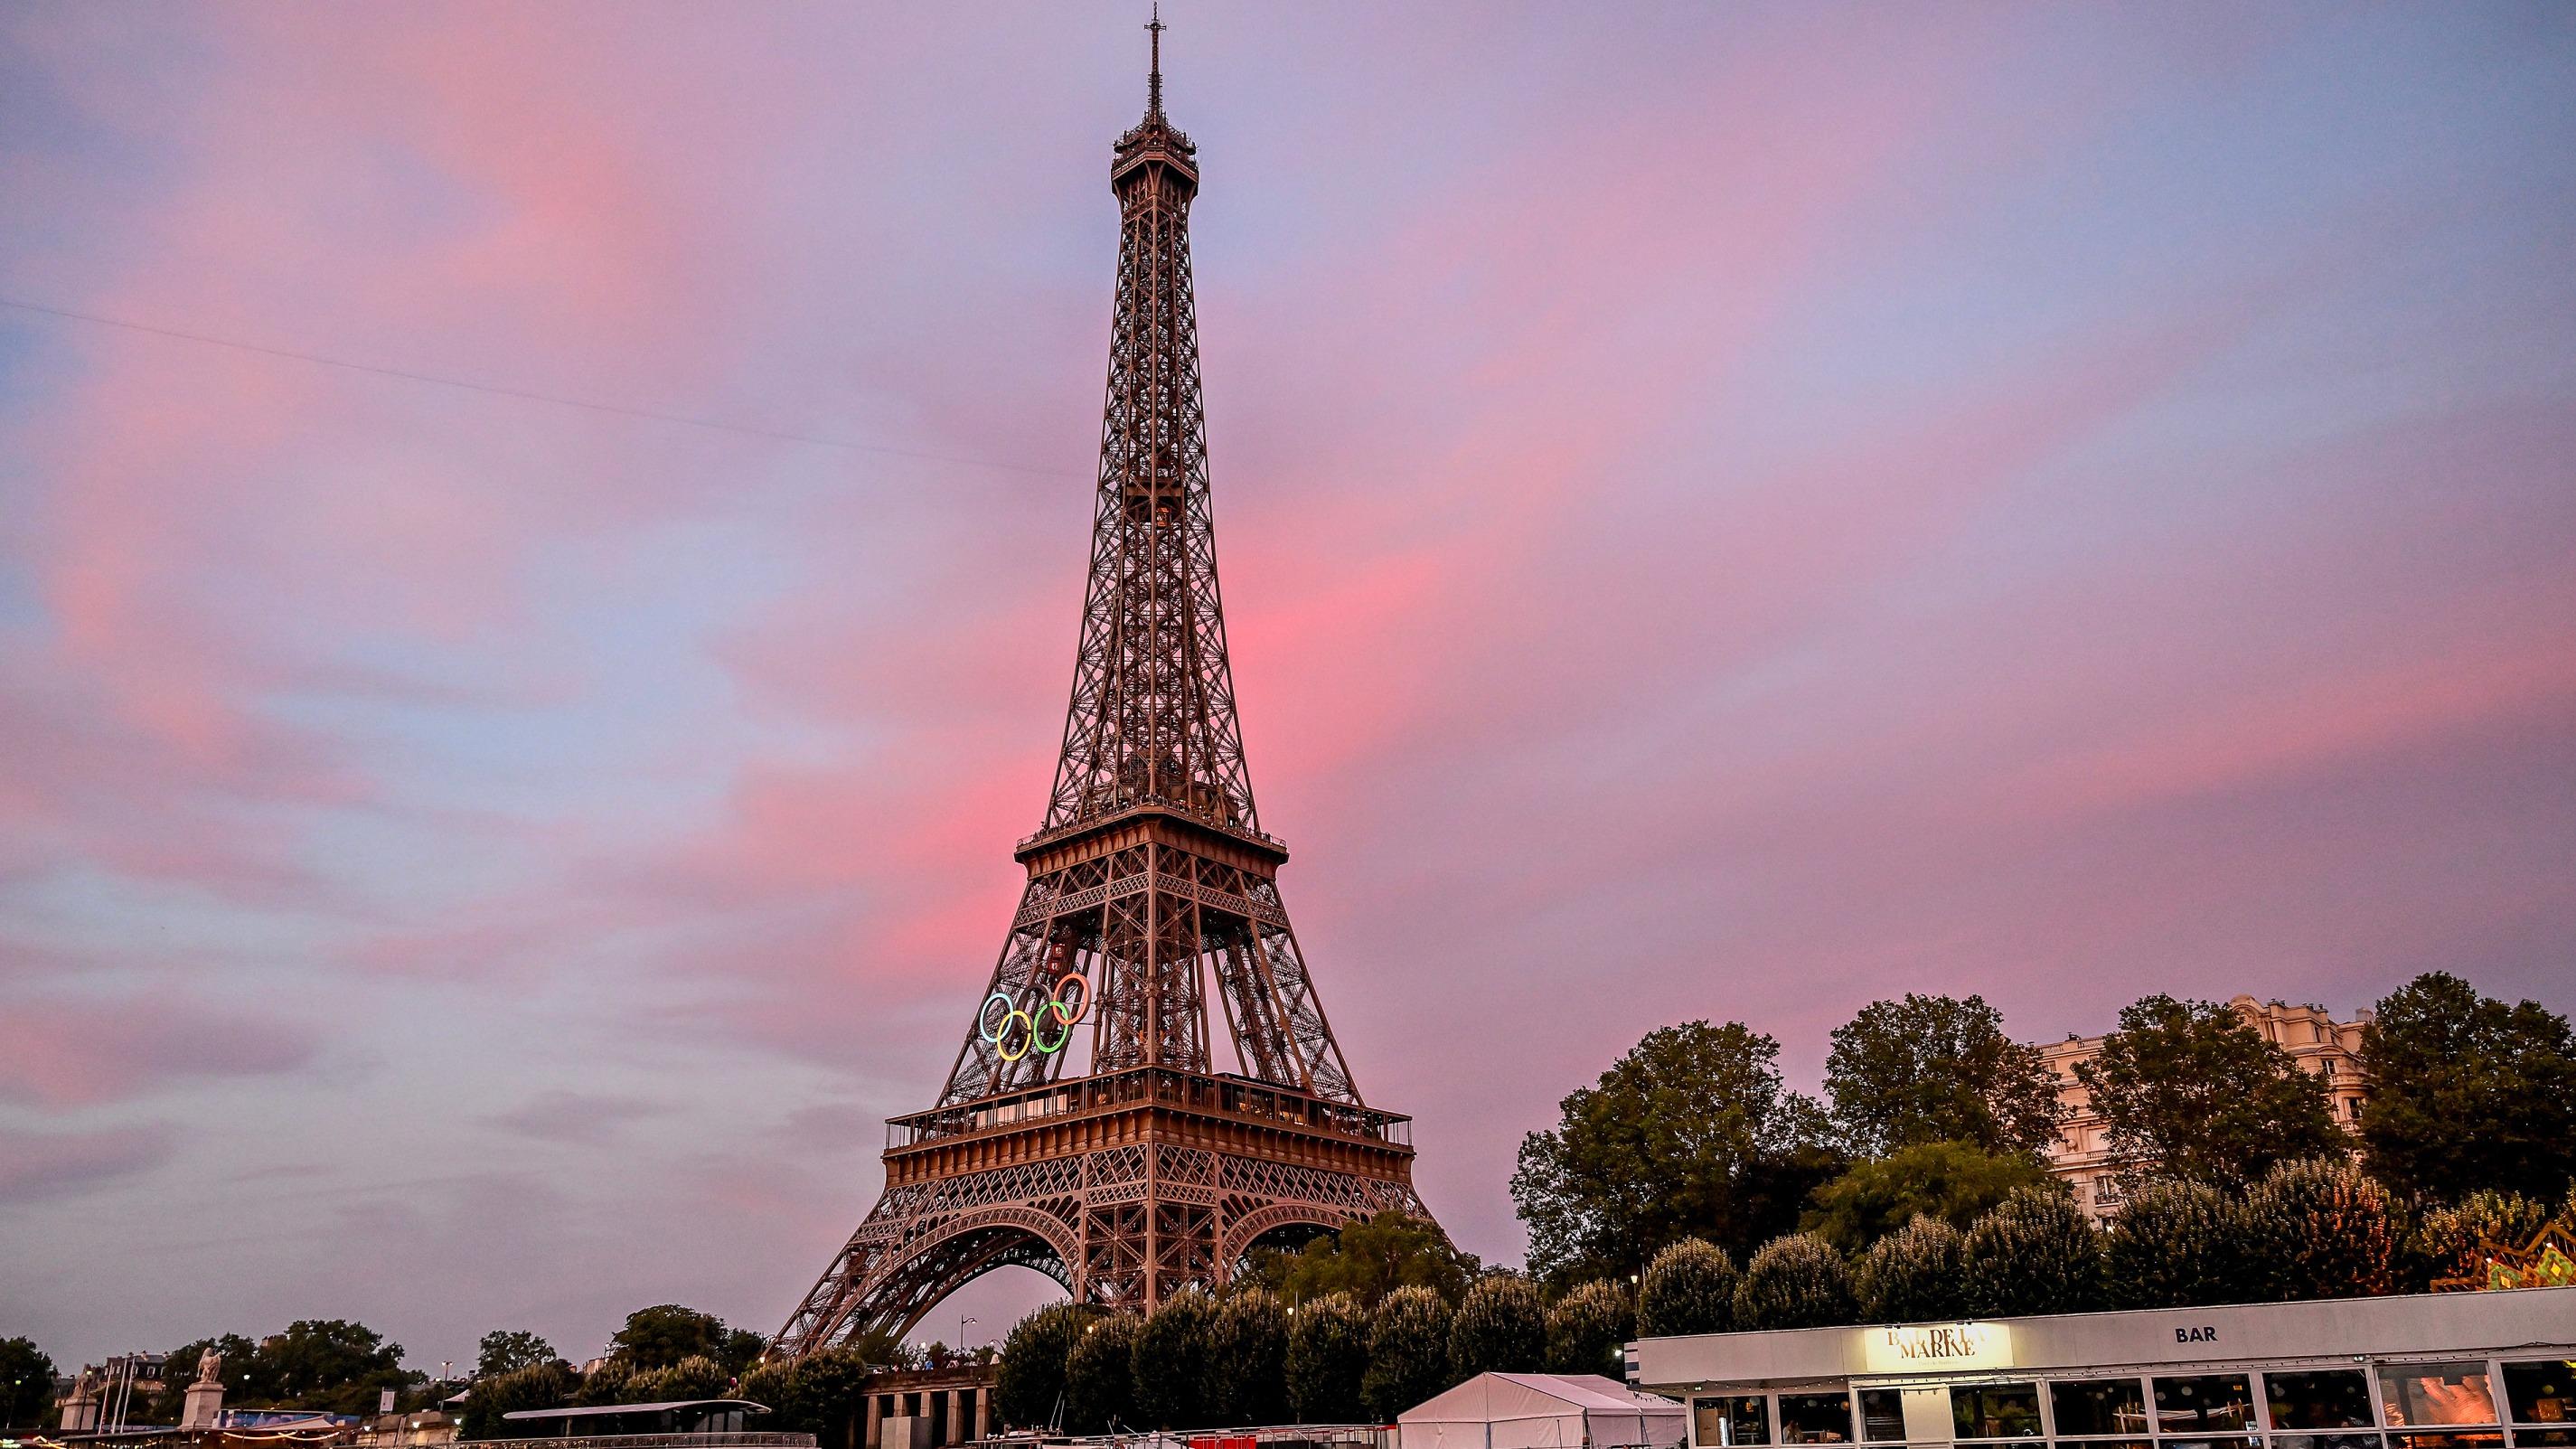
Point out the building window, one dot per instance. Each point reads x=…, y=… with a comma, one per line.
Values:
x=2436, y=1394
x=1734, y=1420
x=2327, y=1399
x=2542, y=1392
x=1815, y=1419
x=1882, y=1415
x=2325, y=1441
x=2204, y=1403
x=2098, y=1406
x=1995, y=1411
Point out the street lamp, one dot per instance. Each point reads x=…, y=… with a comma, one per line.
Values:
x=962, y=1321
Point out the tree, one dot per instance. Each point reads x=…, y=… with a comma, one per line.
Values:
x=821, y=1394
x=1689, y=1287
x=2444, y=1236
x=1408, y=1352
x=1170, y=1361
x=2176, y=1245
x=2035, y=1252
x=1500, y=1327
x=538, y=1386
x=1368, y=1260
x=1913, y=1275
x=612, y=1383
x=1327, y=1359
x=664, y=1334
x=507, y=1350
x=1247, y=1364
x=1953, y=1181
x=2467, y=1092
x=1794, y=1281
x=694, y=1377
x=1028, y=1386
x=27, y=1383
x=742, y=1347
x=1586, y=1328
x=2189, y=1089
x=1100, y=1376
x=1689, y=1134
x=2321, y=1229
x=329, y=1364
x=1938, y=1069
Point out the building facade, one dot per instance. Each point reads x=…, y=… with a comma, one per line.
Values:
x=2321, y=1045
x=2439, y=1371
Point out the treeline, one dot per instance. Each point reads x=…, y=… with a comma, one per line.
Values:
x=661, y=1354
x=1931, y=1109
x=1410, y=1316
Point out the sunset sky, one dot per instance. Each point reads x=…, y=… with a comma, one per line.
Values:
x=1725, y=512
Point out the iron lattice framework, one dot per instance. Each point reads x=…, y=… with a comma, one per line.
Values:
x=1150, y=1170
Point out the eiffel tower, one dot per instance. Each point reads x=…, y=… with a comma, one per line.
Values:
x=1147, y=1169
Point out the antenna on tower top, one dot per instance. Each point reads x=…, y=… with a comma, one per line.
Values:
x=1154, y=80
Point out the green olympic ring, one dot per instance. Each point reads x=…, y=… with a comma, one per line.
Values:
x=996, y=1030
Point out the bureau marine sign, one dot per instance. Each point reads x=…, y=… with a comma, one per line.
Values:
x=1940, y=1345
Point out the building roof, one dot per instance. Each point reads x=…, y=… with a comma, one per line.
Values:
x=597, y=1410
x=1496, y=1397
x=2327, y=1328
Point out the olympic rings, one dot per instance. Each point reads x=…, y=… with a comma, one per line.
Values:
x=997, y=1030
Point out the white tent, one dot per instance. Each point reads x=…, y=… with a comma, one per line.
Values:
x=1541, y=1411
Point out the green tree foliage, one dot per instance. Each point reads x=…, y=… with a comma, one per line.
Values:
x=1796, y=1280
x=1586, y=1327
x=1938, y=1069
x=509, y=1350
x=2444, y=1238
x=1100, y=1376
x=1367, y=1260
x=1028, y=1388
x=1689, y=1287
x=822, y=1394
x=1408, y=1352
x=540, y=1386
x=664, y=1334
x=2321, y=1229
x=1913, y=1275
x=611, y=1383
x=1500, y=1327
x=742, y=1347
x=27, y=1382
x=695, y=1377
x=1327, y=1359
x=329, y=1364
x=2467, y=1092
x=2176, y=1245
x=1247, y=1363
x=1953, y=1181
x=2035, y=1252
x=2188, y=1089
x=1170, y=1360
x=1689, y=1134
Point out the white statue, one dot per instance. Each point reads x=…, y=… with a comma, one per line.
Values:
x=210, y=1367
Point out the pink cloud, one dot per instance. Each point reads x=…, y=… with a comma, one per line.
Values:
x=66, y=1052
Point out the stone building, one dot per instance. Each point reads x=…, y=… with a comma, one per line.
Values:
x=2320, y=1044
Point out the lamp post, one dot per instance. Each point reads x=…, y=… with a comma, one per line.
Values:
x=962, y=1321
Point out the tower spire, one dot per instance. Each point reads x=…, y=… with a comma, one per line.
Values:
x=1154, y=78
